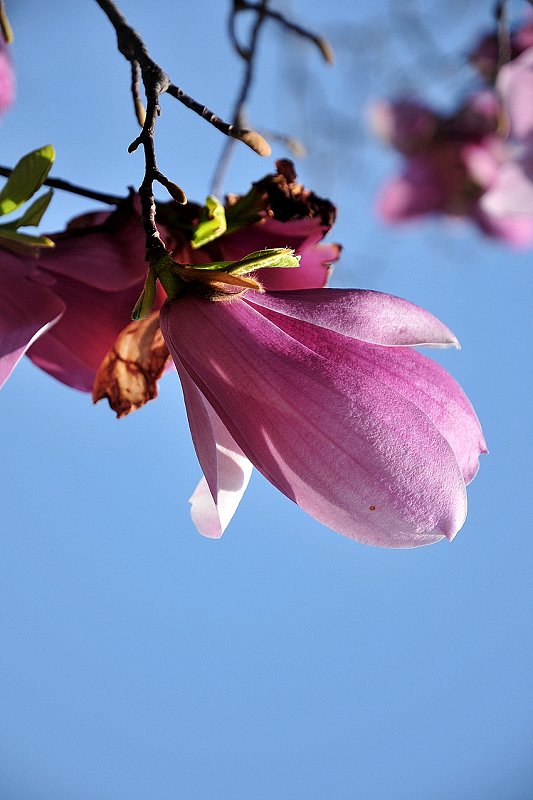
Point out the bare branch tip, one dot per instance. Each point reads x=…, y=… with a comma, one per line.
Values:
x=327, y=50
x=253, y=140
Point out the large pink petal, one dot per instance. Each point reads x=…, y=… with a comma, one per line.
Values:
x=360, y=314
x=226, y=469
x=110, y=256
x=73, y=350
x=416, y=377
x=349, y=449
x=27, y=311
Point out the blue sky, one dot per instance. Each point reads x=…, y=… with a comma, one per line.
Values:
x=283, y=662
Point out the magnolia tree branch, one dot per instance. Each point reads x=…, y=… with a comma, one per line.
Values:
x=156, y=82
x=248, y=54
x=57, y=183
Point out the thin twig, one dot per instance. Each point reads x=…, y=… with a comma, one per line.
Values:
x=322, y=44
x=56, y=183
x=504, y=35
x=249, y=57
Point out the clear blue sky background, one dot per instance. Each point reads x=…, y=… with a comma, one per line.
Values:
x=140, y=661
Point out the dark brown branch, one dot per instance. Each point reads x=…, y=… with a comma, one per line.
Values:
x=251, y=138
x=56, y=183
x=243, y=5
x=156, y=82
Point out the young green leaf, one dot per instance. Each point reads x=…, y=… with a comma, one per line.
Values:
x=32, y=215
x=212, y=223
x=28, y=176
x=7, y=232
x=145, y=303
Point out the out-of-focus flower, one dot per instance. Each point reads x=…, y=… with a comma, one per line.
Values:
x=450, y=168
x=505, y=168
x=7, y=78
x=323, y=393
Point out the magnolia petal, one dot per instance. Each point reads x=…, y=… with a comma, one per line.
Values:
x=226, y=469
x=515, y=86
x=410, y=373
x=403, y=198
x=296, y=234
x=511, y=194
x=361, y=314
x=349, y=449
x=108, y=256
x=74, y=349
x=27, y=311
x=7, y=78
x=516, y=231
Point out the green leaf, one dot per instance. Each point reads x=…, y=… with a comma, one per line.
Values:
x=145, y=303
x=7, y=232
x=274, y=257
x=212, y=223
x=28, y=176
x=32, y=215
x=246, y=211
x=278, y=257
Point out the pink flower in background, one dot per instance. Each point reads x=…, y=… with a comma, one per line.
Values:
x=323, y=393
x=7, y=78
x=506, y=172
x=451, y=171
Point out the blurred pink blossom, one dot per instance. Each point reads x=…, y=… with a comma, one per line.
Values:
x=455, y=170
x=508, y=180
x=322, y=392
x=7, y=78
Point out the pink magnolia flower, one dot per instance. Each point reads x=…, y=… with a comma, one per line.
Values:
x=27, y=309
x=322, y=392
x=67, y=305
x=7, y=78
x=505, y=168
x=290, y=216
x=451, y=171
